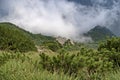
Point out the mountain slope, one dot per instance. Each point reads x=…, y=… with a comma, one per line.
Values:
x=15, y=39
x=99, y=33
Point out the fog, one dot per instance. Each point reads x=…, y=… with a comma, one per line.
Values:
x=60, y=17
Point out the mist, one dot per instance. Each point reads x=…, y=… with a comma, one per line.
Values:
x=60, y=17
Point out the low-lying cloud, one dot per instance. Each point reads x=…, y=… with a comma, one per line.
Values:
x=58, y=17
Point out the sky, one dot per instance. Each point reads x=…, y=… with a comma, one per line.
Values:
x=61, y=17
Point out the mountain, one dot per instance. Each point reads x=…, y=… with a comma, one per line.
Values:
x=112, y=5
x=99, y=33
x=14, y=38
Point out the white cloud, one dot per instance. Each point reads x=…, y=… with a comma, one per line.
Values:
x=58, y=17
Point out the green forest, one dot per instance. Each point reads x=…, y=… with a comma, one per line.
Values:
x=28, y=56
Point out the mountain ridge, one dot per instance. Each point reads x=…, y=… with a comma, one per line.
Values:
x=99, y=33
x=36, y=39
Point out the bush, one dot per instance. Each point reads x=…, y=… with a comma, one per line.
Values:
x=87, y=62
x=113, y=46
x=54, y=46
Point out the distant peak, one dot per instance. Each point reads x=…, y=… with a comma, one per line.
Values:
x=99, y=27
x=99, y=33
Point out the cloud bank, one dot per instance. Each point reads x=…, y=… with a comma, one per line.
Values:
x=59, y=17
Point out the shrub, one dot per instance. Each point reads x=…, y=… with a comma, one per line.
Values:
x=54, y=46
x=113, y=46
x=87, y=62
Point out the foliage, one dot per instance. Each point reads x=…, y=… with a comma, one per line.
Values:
x=40, y=39
x=19, y=66
x=12, y=38
x=87, y=62
x=113, y=46
x=46, y=41
x=113, y=75
x=57, y=63
x=11, y=35
x=54, y=45
x=5, y=57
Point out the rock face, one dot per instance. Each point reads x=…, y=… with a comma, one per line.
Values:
x=99, y=33
x=63, y=40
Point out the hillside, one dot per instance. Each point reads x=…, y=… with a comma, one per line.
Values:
x=46, y=42
x=99, y=33
x=11, y=33
x=15, y=39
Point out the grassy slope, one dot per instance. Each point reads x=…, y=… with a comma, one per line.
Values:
x=16, y=69
x=40, y=39
x=37, y=38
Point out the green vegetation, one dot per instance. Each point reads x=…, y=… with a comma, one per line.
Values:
x=12, y=38
x=11, y=35
x=68, y=62
x=46, y=41
x=99, y=33
x=18, y=66
x=40, y=39
x=88, y=64
x=112, y=45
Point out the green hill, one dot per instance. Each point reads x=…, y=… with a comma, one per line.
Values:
x=99, y=33
x=14, y=38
